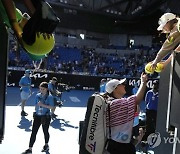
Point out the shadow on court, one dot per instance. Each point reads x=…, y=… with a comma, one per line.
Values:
x=25, y=124
x=62, y=124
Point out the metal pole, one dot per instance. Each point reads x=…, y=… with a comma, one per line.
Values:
x=3, y=69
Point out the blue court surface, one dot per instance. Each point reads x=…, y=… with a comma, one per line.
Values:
x=64, y=131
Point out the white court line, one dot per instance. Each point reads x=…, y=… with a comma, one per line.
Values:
x=74, y=99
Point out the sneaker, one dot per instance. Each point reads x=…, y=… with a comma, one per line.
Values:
x=23, y=113
x=28, y=151
x=45, y=148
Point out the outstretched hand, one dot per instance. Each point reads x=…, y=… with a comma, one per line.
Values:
x=144, y=77
x=154, y=65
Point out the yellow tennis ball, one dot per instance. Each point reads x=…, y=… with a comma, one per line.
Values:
x=35, y=57
x=159, y=67
x=149, y=69
x=41, y=46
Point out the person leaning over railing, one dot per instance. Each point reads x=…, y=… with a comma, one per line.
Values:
x=168, y=24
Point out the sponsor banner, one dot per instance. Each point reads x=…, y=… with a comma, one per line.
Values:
x=80, y=82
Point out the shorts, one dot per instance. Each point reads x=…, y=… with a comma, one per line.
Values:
x=24, y=95
x=120, y=148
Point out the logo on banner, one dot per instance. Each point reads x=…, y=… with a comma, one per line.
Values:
x=155, y=140
x=11, y=84
x=131, y=82
x=39, y=76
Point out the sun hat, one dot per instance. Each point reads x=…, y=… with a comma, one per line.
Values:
x=164, y=19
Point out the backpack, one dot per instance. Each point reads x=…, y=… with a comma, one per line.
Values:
x=93, y=137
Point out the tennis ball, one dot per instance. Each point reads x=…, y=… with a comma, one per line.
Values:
x=35, y=57
x=148, y=68
x=41, y=46
x=159, y=67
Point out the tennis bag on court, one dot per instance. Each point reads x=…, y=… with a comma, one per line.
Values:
x=93, y=136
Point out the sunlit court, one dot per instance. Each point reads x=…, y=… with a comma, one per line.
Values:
x=64, y=130
x=89, y=76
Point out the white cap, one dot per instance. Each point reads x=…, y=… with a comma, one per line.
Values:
x=164, y=19
x=112, y=84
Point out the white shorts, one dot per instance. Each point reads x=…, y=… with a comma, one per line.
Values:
x=24, y=95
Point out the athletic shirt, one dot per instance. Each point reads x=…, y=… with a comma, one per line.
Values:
x=151, y=100
x=102, y=88
x=134, y=90
x=26, y=81
x=47, y=99
x=168, y=45
x=121, y=119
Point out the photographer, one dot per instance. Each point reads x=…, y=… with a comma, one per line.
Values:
x=53, y=89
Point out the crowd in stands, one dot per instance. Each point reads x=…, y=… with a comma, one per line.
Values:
x=65, y=59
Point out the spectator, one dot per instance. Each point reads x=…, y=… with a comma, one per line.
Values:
x=151, y=100
x=102, y=85
x=52, y=87
x=135, y=89
x=168, y=25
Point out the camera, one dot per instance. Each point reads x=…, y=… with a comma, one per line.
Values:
x=61, y=87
